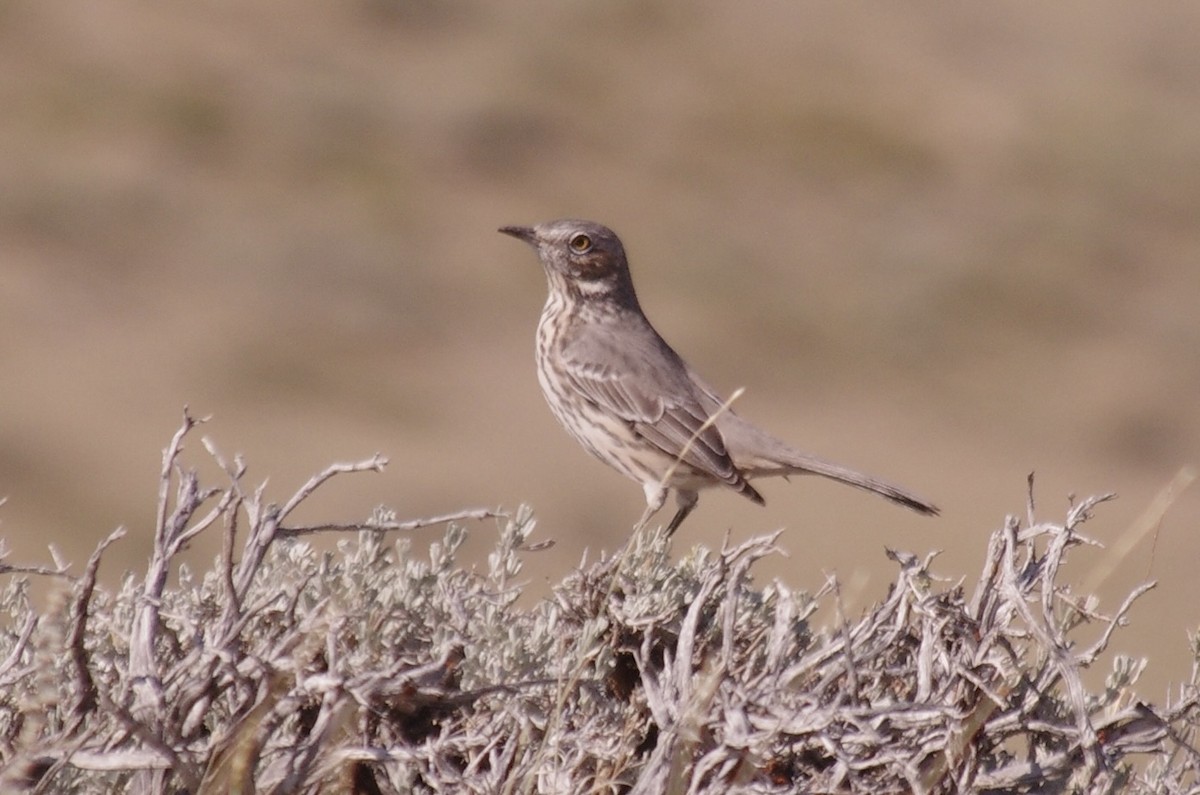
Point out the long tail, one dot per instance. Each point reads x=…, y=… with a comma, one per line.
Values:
x=758, y=454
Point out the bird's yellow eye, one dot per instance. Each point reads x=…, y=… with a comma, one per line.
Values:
x=580, y=243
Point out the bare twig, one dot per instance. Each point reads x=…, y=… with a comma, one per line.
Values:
x=473, y=514
x=376, y=463
x=84, y=684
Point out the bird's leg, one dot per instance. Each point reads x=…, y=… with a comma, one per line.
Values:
x=687, y=501
x=656, y=495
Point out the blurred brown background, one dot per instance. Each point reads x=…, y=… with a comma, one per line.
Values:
x=945, y=244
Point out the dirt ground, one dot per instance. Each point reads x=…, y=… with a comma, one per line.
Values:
x=949, y=245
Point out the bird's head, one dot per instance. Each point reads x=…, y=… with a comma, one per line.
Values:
x=583, y=260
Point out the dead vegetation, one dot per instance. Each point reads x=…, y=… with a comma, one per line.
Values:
x=386, y=666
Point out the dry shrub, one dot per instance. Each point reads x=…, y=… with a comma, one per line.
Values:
x=388, y=667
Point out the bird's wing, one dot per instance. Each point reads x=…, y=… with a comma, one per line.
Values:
x=639, y=379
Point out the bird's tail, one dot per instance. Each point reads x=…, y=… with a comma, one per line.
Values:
x=758, y=454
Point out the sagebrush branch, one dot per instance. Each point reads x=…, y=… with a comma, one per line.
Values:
x=389, y=666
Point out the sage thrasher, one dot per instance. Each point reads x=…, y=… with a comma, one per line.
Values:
x=624, y=394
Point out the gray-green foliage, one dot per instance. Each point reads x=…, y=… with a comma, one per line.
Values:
x=387, y=665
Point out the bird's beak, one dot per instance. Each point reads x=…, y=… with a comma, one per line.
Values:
x=525, y=233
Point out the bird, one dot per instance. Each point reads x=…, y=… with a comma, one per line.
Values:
x=631, y=401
